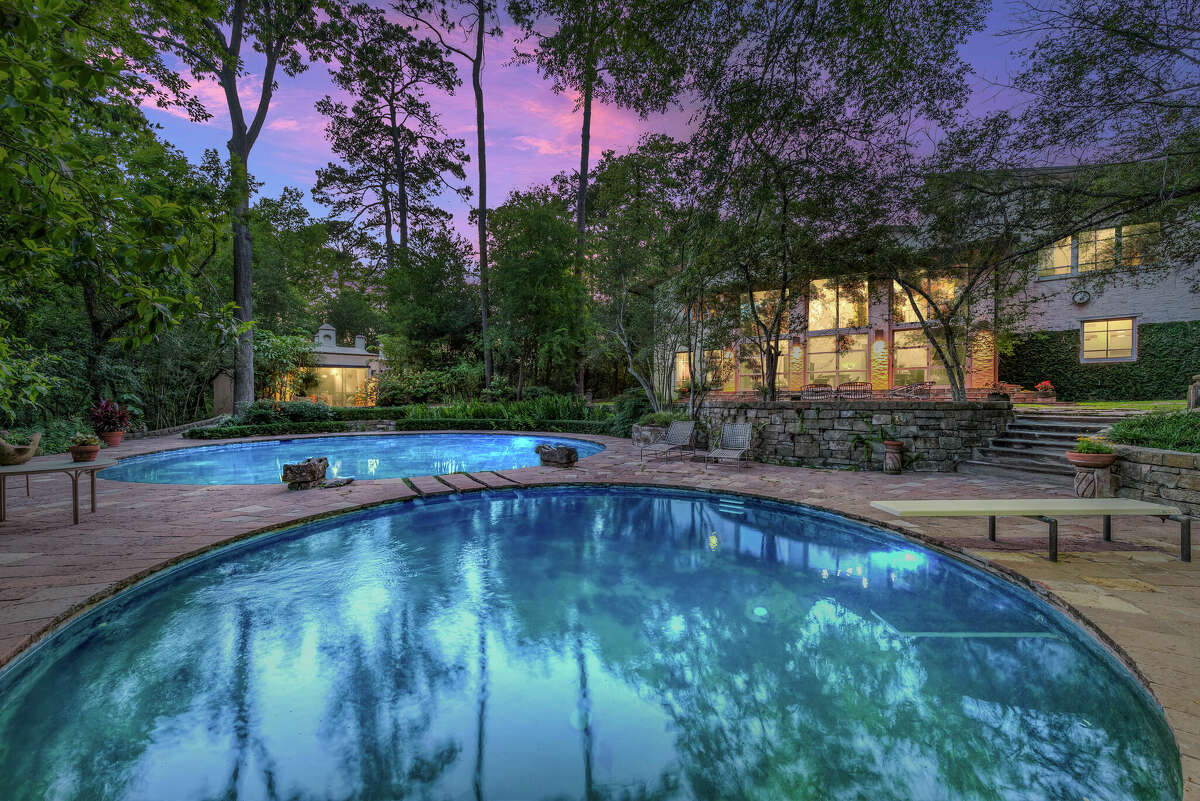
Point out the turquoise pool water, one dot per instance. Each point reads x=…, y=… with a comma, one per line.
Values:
x=578, y=643
x=364, y=457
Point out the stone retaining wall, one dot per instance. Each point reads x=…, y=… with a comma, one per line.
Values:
x=848, y=434
x=1158, y=476
x=166, y=432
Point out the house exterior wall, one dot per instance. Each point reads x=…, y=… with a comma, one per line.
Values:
x=1165, y=300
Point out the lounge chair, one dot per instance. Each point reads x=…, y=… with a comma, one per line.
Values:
x=1047, y=510
x=678, y=437
x=854, y=390
x=816, y=392
x=733, y=443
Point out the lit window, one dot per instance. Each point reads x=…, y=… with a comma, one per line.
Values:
x=1107, y=340
x=915, y=360
x=750, y=367
x=341, y=386
x=683, y=370
x=942, y=291
x=832, y=306
x=1097, y=250
x=837, y=360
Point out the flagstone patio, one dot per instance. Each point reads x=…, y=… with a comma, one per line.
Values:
x=1134, y=589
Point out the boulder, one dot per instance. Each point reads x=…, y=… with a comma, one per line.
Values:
x=307, y=474
x=557, y=455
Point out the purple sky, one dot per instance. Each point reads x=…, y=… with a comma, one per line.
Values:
x=532, y=133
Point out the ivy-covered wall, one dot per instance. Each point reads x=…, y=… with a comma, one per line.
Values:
x=1168, y=355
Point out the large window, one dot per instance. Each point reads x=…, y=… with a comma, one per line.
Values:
x=341, y=386
x=914, y=360
x=1101, y=249
x=832, y=305
x=837, y=360
x=941, y=290
x=1109, y=340
x=750, y=367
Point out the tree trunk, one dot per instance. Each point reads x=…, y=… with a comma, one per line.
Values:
x=385, y=199
x=401, y=177
x=477, y=85
x=243, y=361
x=585, y=142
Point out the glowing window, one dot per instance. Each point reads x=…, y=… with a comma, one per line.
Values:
x=1107, y=340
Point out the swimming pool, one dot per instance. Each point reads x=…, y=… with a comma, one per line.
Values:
x=364, y=457
x=582, y=643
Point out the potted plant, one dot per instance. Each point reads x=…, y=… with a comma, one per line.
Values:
x=84, y=447
x=1091, y=454
x=1044, y=389
x=110, y=421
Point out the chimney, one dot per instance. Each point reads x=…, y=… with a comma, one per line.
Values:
x=360, y=342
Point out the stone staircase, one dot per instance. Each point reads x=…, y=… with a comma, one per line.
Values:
x=1032, y=447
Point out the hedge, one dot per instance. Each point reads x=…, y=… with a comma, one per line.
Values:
x=1172, y=431
x=413, y=424
x=266, y=430
x=1167, y=358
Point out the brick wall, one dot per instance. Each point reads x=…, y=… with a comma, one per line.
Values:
x=1158, y=476
x=936, y=435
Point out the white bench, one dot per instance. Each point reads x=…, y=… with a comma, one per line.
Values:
x=1046, y=510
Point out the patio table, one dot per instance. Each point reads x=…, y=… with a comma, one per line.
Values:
x=71, y=468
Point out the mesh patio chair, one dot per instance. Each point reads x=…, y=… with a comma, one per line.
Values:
x=854, y=390
x=734, y=443
x=816, y=392
x=679, y=437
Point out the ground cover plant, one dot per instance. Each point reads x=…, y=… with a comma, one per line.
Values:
x=1174, y=431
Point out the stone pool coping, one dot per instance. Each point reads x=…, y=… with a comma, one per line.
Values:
x=33, y=609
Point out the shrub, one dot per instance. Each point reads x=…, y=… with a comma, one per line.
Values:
x=268, y=412
x=1090, y=445
x=1173, y=431
x=56, y=435
x=421, y=386
x=663, y=418
x=500, y=390
x=107, y=416
x=629, y=406
x=265, y=430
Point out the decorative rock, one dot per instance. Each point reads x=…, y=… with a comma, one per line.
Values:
x=337, y=482
x=307, y=474
x=557, y=455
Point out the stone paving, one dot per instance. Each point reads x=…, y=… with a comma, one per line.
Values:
x=1134, y=590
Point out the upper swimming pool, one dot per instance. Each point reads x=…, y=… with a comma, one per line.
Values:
x=579, y=643
x=364, y=457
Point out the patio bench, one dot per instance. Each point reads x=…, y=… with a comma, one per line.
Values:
x=1047, y=510
x=71, y=468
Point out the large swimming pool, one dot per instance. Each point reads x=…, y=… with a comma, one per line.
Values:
x=364, y=457
x=579, y=643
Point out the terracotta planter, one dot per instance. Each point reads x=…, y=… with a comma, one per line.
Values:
x=111, y=438
x=84, y=453
x=893, y=456
x=1091, y=461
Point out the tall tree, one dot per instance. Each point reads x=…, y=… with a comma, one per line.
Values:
x=214, y=48
x=473, y=21
x=1114, y=88
x=397, y=149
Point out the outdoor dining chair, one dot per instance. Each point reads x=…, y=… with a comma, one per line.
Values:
x=679, y=437
x=733, y=443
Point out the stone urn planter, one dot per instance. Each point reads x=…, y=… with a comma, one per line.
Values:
x=893, y=456
x=1091, y=461
x=111, y=438
x=19, y=454
x=84, y=453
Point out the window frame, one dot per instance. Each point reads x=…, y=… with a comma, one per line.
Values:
x=1133, y=357
x=1118, y=254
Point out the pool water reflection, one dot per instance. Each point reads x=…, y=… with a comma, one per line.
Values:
x=579, y=643
x=364, y=457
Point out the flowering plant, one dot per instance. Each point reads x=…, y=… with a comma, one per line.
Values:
x=1044, y=386
x=108, y=416
x=84, y=438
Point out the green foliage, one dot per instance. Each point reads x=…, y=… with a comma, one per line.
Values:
x=1091, y=445
x=56, y=435
x=629, y=406
x=269, y=412
x=1173, y=431
x=1167, y=357
x=283, y=364
x=663, y=418
x=265, y=430
x=84, y=438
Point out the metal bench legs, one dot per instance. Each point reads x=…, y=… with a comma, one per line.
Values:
x=1185, y=533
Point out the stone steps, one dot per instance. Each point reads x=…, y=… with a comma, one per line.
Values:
x=1034, y=444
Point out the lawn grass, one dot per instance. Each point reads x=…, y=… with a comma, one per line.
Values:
x=1173, y=431
x=1145, y=406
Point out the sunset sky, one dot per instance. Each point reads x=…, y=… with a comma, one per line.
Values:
x=532, y=133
